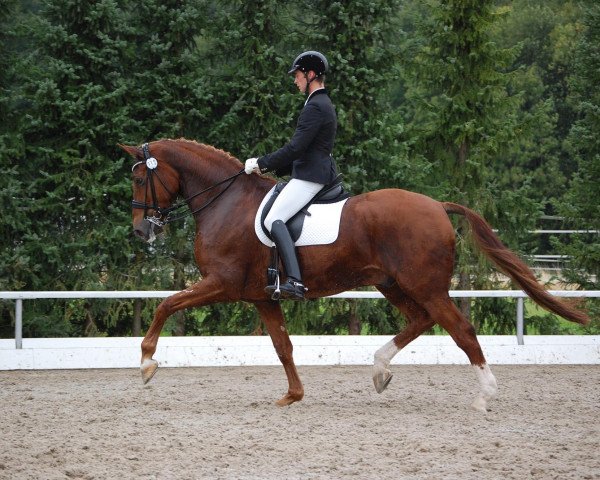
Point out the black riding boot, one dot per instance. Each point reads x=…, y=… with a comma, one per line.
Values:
x=293, y=288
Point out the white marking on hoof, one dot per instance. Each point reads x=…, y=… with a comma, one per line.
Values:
x=383, y=357
x=480, y=405
x=381, y=379
x=488, y=385
x=148, y=368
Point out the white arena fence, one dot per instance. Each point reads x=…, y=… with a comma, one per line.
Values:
x=123, y=352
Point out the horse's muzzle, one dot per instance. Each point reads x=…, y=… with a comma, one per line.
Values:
x=147, y=231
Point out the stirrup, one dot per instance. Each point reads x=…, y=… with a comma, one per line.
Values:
x=274, y=290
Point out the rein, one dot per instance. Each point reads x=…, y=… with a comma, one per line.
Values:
x=163, y=217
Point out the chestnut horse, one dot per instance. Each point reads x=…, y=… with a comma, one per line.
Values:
x=400, y=242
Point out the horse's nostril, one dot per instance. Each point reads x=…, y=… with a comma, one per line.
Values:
x=139, y=233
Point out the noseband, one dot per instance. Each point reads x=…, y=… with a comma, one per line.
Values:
x=164, y=213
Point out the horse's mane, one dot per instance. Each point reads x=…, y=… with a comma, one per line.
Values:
x=195, y=157
x=202, y=148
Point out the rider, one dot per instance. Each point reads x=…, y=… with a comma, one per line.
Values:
x=307, y=157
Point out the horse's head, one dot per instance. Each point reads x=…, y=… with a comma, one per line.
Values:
x=155, y=186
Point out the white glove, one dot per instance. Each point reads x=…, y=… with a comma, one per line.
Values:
x=252, y=166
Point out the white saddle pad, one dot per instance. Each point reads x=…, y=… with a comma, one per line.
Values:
x=320, y=228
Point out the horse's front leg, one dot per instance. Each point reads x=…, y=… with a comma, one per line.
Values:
x=205, y=292
x=272, y=316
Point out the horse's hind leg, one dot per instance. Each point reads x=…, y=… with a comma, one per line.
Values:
x=418, y=322
x=447, y=315
x=272, y=316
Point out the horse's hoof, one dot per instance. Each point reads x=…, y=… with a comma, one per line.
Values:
x=148, y=368
x=480, y=405
x=381, y=380
x=288, y=399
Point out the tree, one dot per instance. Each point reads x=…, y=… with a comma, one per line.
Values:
x=246, y=57
x=13, y=219
x=481, y=103
x=168, y=100
x=360, y=39
x=462, y=115
x=545, y=35
x=581, y=208
x=73, y=109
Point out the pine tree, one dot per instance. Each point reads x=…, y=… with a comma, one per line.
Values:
x=580, y=206
x=462, y=114
x=168, y=101
x=12, y=189
x=253, y=102
x=74, y=181
x=544, y=34
x=361, y=39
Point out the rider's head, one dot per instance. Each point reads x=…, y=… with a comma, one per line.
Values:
x=309, y=67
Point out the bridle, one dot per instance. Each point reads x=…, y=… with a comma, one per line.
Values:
x=164, y=214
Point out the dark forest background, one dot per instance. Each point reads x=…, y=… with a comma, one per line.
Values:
x=492, y=104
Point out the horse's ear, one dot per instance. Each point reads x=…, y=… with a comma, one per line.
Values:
x=135, y=152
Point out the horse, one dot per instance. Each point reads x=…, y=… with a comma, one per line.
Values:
x=400, y=242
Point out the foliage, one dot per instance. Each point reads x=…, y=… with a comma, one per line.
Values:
x=69, y=110
x=490, y=104
x=545, y=35
x=462, y=119
x=580, y=206
x=246, y=54
x=361, y=39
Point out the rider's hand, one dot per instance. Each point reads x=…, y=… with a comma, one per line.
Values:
x=251, y=166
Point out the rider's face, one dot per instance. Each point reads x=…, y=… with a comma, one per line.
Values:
x=300, y=80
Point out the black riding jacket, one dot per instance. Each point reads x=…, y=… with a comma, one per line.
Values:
x=307, y=156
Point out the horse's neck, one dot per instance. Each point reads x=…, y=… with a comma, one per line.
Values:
x=203, y=169
x=209, y=167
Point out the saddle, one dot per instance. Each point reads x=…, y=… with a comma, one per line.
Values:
x=332, y=193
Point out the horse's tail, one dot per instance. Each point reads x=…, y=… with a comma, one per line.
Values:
x=513, y=266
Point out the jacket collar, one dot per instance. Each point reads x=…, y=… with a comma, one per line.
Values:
x=315, y=92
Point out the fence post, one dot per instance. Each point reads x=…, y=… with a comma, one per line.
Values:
x=19, y=324
x=520, y=328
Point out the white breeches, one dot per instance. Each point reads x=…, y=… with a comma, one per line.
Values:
x=295, y=196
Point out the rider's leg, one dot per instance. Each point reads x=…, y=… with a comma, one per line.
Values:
x=293, y=287
x=293, y=197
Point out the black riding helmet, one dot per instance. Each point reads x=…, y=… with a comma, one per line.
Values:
x=310, y=60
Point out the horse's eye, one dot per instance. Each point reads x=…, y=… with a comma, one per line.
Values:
x=139, y=181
